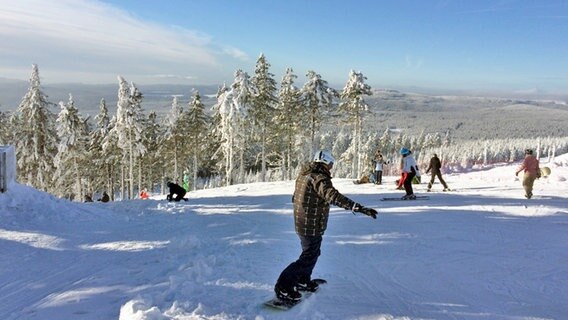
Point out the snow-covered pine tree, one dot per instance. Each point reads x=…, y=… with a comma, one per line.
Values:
x=385, y=143
x=340, y=141
x=317, y=100
x=174, y=139
x=233, y=111
x=215, y=154
x=215, y=122
x=71, y=161
x=197, y=122
x=263, y=107
x=243, y=95
x=129, y=126
x=104, y=151
x=354, y=108
x=288, y=121
x=36, y=143
x=151, y=163
x=5, y=129
x=447, y=141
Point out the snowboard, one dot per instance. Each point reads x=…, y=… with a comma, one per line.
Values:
x=400, y=199
x=184, y=199
x=278, y=304
x=544, y=172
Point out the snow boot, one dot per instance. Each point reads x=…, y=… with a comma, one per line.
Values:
x=289, y=295
x=309, y=286
x=409, y=197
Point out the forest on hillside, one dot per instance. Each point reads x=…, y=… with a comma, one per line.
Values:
x=256, y=130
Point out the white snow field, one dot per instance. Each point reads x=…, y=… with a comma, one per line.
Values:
x=482, y=251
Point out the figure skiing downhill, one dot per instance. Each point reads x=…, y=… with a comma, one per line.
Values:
x=409, y=171
x=313, y=195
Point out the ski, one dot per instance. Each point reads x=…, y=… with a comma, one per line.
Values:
x=400, y=199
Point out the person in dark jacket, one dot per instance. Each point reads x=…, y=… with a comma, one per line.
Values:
x=177, y=190
x=105, y=197
x=312, y=197
x=436, y=168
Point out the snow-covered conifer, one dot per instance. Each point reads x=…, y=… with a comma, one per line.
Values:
x=5, y=129
x=70, y=161
x=151, y=162
x=263, y=106
x=36, y=143
x=173, y=141
x=233, y=109
x=129, y=126
x=317, y=98
x=354, y=109
x=104, y=152
x=288, y=120
x=196, y=136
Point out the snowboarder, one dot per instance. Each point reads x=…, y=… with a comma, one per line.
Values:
x=379, y=163
x=313, y=194
x=531, y=168
x=436, y=168
x=409, y=171
x=177, y=190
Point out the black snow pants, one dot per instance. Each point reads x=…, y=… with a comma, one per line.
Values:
x=301, y=269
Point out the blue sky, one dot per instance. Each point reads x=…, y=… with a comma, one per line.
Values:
x=517, y=46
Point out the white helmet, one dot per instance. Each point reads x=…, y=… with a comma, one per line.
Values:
x=324, y=156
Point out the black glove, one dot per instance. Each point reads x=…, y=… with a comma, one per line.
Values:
x=366, y=211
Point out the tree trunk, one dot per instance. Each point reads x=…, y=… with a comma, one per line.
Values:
x=131, y=167
x=194, y=169
x=263, y=154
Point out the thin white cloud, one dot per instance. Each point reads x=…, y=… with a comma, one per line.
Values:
x=413, y=63
x=235, y=53
x=171, y=76
x=78, y=36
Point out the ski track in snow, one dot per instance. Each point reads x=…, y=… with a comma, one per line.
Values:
x=480, y=252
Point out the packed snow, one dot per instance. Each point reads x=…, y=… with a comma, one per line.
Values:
x=481, y=251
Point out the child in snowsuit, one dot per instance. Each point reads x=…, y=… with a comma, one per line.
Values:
x=532, y=171
x=312, y=197
x=436, y=167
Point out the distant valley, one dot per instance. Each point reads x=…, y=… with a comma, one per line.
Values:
x=465, y=117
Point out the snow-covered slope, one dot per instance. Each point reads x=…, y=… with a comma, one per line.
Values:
x=479, y=252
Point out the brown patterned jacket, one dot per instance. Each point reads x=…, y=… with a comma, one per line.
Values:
x=313, y=194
